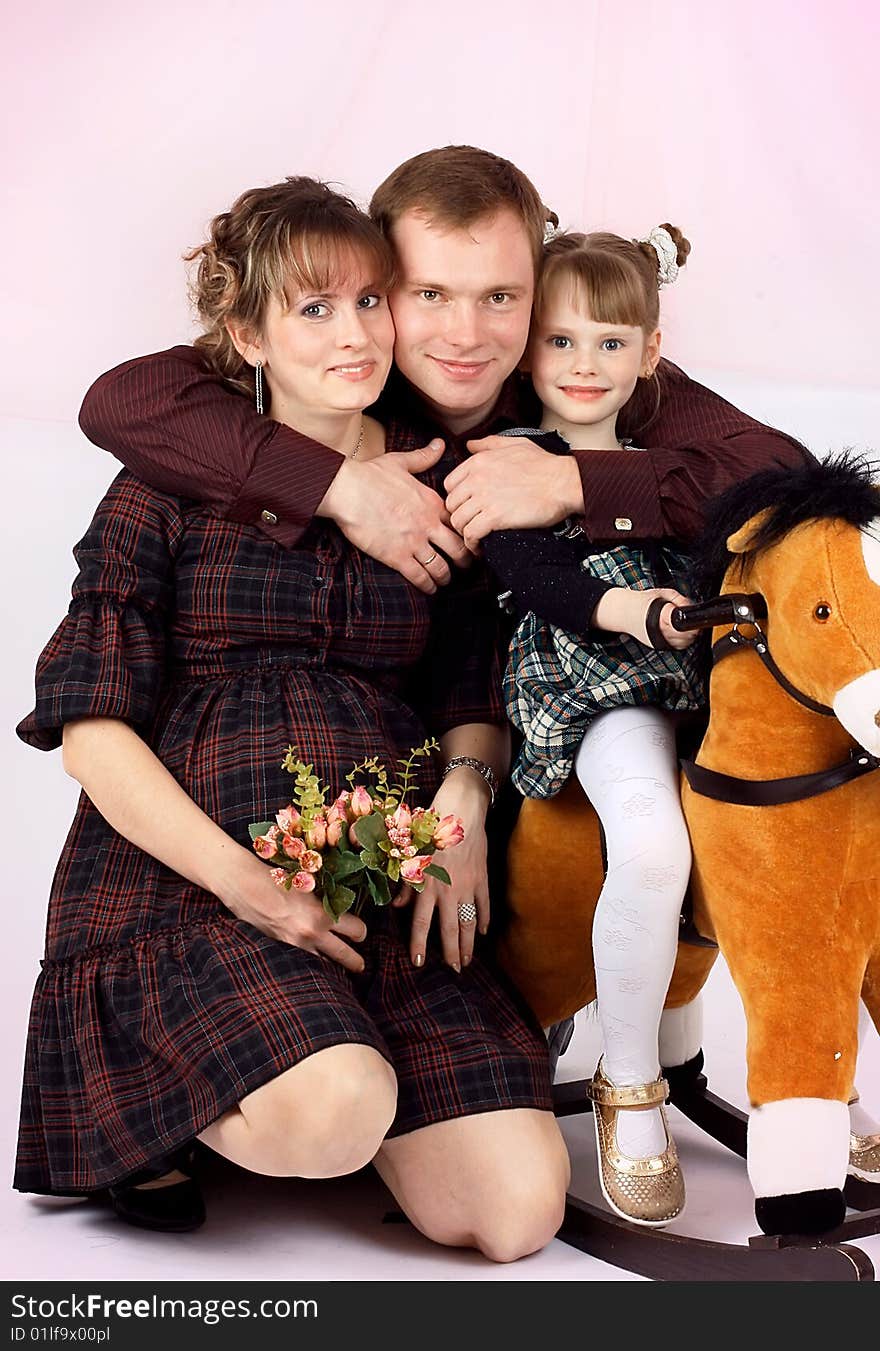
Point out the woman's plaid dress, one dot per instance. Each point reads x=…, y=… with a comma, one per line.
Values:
x=156, y=1009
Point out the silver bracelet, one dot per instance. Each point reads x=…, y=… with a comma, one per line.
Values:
x=486, y=772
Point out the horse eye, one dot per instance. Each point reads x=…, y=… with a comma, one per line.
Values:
x=822, y=612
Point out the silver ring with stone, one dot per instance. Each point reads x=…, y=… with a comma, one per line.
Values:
x=467, y=913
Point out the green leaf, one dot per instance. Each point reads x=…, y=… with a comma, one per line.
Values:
x=441, y=874
x=339, y=903
x=394, y=869
x=346, y=865
x=370, y=830
x=377, y=884
x=259, y=828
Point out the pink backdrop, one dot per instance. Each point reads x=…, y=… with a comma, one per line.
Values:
x=753, y=125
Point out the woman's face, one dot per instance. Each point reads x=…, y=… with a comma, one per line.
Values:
x=326, y=353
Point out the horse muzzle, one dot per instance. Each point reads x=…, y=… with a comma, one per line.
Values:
x=857, y=708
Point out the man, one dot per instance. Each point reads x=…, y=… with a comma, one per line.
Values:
x=468, y=230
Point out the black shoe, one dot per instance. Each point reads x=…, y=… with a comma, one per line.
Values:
x=176, y=1208
x=558, y=1036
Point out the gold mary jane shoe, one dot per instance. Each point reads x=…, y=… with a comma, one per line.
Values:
x=864, y=1156
x=646, y=1191
x=864, y=1153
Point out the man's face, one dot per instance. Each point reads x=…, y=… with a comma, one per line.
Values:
x=461, y=310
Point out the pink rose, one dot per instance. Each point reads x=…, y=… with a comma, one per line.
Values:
x=316, y=835
x=303, y=881
x=310, y=861
x=334, y=831
x=264, y=846
x=288, y=820
x=341, y=805
x=361, y=802
x=413, y=869
x=399, y=820
x=293, y=846
x=449, y=831
x=279, y=876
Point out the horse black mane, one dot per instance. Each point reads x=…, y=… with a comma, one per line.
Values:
x=840, y=486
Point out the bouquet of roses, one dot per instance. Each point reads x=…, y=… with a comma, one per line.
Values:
x=352, y=850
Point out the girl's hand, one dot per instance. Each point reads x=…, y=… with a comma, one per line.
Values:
x=674, y=637
x=624, y=610
x=292, y=917
x=467, y=867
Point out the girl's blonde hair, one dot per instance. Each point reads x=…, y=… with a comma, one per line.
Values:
x=298, y=235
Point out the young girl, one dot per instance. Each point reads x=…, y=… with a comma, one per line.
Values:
x=595, y=670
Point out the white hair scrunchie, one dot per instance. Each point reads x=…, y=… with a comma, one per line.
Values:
x=666, y=249
x=550, y=231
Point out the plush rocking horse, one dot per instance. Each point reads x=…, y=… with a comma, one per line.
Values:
x=782, y=803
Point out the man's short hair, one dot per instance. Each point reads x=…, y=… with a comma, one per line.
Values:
x=457, y=185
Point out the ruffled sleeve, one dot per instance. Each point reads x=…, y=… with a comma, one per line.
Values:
x=107, y=657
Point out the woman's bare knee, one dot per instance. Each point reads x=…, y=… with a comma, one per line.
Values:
x=524, y=1222
x=496, y=1183
x=325, y=1117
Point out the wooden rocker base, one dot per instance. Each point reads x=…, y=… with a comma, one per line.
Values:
x=662, y=1256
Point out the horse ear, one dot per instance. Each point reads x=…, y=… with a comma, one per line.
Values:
x=741, y=540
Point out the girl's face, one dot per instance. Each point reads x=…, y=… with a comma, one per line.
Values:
x=326, y=354
x=584, y=371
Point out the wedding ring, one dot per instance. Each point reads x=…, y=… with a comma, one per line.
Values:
x=428, y=560
x=467, y=913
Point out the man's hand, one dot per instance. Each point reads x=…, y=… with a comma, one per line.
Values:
x=509, y=483
x=390, y=515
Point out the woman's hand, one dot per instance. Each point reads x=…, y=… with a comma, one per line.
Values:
x=134, y=791
x=292, y=917
x=467, y=867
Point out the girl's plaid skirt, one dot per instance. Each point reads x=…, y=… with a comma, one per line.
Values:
x=556, y=682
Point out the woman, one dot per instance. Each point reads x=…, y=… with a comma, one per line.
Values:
x=183, y=994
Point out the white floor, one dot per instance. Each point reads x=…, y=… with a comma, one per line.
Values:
x=262, y=1229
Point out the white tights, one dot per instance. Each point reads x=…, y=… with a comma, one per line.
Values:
x=627, y=766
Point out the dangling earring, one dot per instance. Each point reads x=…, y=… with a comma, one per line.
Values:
x=258, y=385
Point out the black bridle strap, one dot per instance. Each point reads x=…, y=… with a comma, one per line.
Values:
x=773, y=792
x=737, y=608
x=736, y=642
x=750, y=609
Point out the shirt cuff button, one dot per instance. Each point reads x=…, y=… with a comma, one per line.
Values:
x=622, y=523
x=269, y=517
